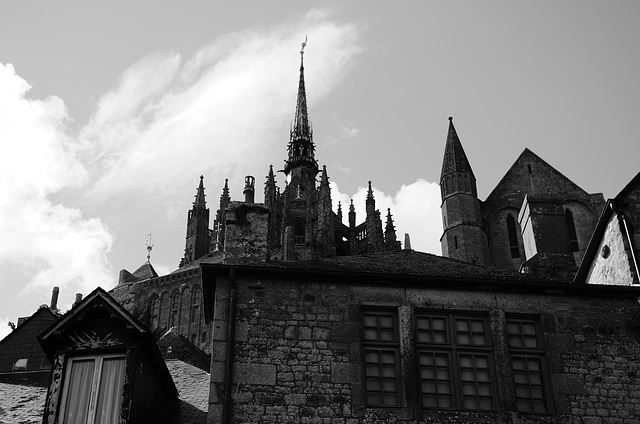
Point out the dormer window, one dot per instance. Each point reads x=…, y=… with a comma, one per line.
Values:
x=92, y=392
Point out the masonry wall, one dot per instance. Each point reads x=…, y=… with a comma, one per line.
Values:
x=173, y=300
x=298, y=356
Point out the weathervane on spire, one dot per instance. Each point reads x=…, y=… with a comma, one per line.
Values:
x=303, y=45
x=149, y=248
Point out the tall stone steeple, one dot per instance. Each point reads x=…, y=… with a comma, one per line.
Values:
x=464, y=236
x=301, y=148
x=198, y=238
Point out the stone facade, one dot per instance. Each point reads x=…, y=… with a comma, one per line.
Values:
x=301, y=355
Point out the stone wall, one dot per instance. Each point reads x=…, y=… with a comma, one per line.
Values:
x=298, y=355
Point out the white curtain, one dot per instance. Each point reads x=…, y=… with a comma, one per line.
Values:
x=110, y=391
x=80, y=381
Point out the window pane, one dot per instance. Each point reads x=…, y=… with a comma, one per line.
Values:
x=110, y=391
x=79, y=391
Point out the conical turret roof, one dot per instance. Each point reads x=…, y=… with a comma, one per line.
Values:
x=455, y=160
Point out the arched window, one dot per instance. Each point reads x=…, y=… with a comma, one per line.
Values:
x=195, y=306
x=154, y=312
x=299, y=232
x=513, y=237
x=175, y=307
x=571, y=231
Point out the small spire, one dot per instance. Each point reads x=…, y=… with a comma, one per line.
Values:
x=150, y=247
x=324, y=182
x=407, y=242
x=224, y=197
x=369, y=192
x=339, y=211
x=200, y=201
x=351, y=207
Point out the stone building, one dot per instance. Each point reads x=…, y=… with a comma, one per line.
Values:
x=293, y=224
x=306, y=319
x=535, y=218
x=409, y=337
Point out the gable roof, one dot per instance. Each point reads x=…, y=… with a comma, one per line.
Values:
x=601, y=227
x=101, y=299
x=518, y=181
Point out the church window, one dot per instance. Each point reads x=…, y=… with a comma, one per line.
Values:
x=175, y=306
x=154, y=310
x=529, y=168
x=454, y=360
x=381, y=347
x=455, y=242
x=299, y=232
x=195, y=307
x=92, y=391
x=571, y=230
x=513, y=237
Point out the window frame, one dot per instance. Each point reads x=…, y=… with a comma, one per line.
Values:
x=454, y=351
x=527, y=353
x=370, y=345
x=95, y=382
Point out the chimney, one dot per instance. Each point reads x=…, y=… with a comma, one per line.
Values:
x=78, y=299
x=249, y=189
x=407, y=242
x=54, y=299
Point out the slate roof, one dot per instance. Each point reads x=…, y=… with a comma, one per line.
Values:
x=193, y=388
x=455, y=159
x=402, y=263
x=21, y=404
x=25, y=404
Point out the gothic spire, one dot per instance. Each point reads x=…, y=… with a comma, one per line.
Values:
x=301, y=147
x=301, y=126
x=224, y=197
x=455, y=160
x=200, y=202
x=324, y=182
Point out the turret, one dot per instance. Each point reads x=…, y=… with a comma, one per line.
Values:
x=198, y=238
x=464, y=236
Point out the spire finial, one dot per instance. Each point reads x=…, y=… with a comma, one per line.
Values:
x=451, y=119
x=302, y=46
x=149, y=248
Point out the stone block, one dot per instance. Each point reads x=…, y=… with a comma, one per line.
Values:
x=260, y=374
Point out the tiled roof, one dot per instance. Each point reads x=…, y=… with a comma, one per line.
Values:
x=193, y=388
x=21, y=404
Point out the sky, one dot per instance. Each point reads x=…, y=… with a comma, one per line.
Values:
x=111, y=111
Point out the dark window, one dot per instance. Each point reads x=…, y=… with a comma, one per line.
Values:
x=454, y=362
x=195, y=307
x=381, y=348
x=513, y=237
x=571, y=230
x=299, y=232
x=527, y=359
x=175, y=305
x=455, y=242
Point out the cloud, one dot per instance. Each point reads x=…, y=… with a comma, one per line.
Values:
x=219, y=111
x=44, y=243
x=415, y=210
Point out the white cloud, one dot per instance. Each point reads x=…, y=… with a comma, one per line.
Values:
x=219, y=112
x=414, y=208
x=44, y=243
